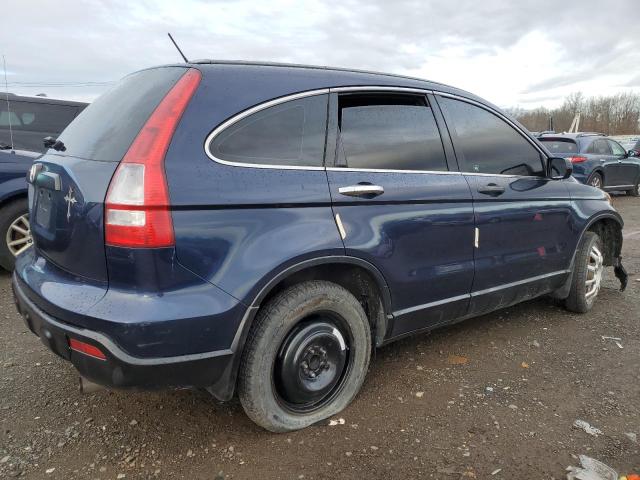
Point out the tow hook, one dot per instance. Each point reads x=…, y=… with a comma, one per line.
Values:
x=621, y=273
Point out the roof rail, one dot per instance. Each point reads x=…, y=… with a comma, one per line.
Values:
x=590, y=134
x=207, y=61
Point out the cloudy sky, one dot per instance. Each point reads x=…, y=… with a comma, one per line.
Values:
x=513, y=53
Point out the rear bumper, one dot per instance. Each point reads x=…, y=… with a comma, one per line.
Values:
x=581, y=177
x=120, y=369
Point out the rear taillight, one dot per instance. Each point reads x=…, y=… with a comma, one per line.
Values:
x=577, y=159
x=137, y=206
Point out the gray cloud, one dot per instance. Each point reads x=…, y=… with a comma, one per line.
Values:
x=101, y=41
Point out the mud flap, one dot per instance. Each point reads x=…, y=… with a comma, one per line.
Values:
x=621, y=273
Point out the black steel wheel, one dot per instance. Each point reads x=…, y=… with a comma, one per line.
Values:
x=312, y=363
x=306, y=356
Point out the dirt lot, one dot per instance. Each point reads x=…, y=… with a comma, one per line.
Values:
x=496, y=394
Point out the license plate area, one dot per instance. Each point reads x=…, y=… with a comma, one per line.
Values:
x=45, y=207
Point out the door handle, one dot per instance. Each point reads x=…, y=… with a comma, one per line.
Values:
x=491, y=189
x=369, y=191
x=603, y=160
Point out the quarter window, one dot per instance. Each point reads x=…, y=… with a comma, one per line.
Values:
x=289, y=134
x=390, y=132
x=487, y=144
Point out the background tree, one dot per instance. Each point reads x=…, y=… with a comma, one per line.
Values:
x=612, y=115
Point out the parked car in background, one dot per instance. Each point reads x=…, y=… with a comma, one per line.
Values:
x=30, y=119
x=15, y=236
x=261, y=228
x=24, y=123
x=597, y=160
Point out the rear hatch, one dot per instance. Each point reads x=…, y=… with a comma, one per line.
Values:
x=69, y=186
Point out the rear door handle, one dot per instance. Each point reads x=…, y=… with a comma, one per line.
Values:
x=361, y=191
x=491, y=189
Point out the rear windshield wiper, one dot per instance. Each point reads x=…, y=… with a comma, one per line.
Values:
x=50, y=142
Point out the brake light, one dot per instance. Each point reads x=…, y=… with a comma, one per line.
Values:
x=87, y=349
x=137, y=206
x=577, y=159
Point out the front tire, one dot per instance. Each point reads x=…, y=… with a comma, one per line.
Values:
x=587, y=274
x=306, y=357
x=635, y=191
x=15, y=232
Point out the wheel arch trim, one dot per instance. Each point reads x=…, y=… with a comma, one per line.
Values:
x=592, y=221
x=245, y=323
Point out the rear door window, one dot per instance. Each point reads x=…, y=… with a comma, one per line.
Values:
x=485, y=143
x=288, y=134
x=389, y=132
x=600, y=147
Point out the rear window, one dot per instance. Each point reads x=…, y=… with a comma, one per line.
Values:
x=559, y=146
x=106, y=128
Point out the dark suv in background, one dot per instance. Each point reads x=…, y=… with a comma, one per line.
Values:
x=261, y=228
x=597, y=160
x=24, y=123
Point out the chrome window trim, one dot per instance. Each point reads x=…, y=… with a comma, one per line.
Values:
x=380, y=88
x=250, y=111
x=382, y=170
x=363, y=88
x=478, y=293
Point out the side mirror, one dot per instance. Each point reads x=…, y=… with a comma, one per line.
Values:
x=633, y=153
x=559, y=168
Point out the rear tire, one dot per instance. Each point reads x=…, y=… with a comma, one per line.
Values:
x=306, y=357
x=596, y=180
x=14, y=221
x=635, y=191
x=587, y=274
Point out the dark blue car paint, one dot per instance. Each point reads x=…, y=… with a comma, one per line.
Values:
x=78, y=245
x=14, y=166
x=240, y=230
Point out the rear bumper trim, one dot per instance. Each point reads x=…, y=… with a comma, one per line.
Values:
x=23, y=301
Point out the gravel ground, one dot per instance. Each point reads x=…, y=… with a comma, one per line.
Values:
x=493, y=397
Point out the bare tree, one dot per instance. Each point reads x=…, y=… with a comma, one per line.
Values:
x=613, y=115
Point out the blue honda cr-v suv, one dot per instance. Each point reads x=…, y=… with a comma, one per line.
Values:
x=260, y=228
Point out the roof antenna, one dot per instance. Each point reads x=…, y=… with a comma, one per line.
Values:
x=176, y=45
x=6, y=86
